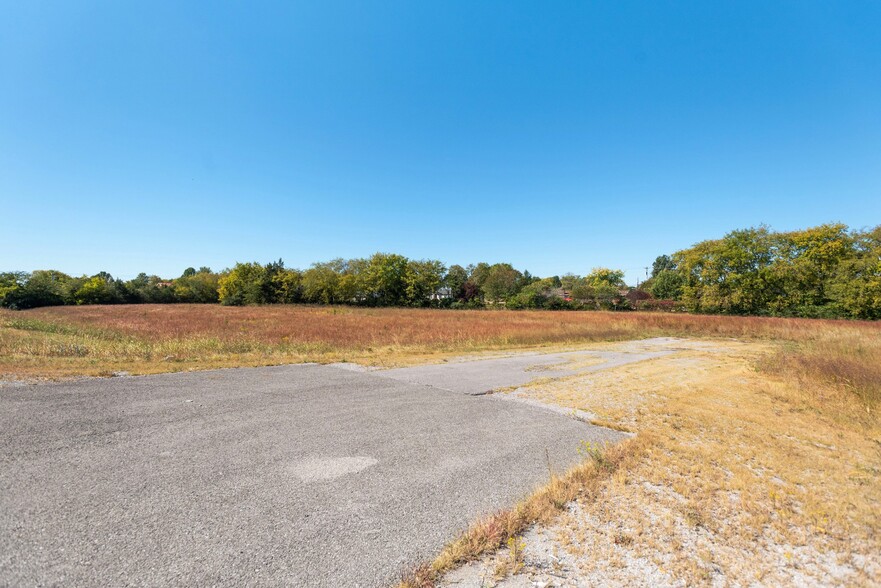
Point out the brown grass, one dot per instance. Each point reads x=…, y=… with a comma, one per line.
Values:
x=759, y=462
x=98, y=340
x=833, y=361
x=350, y=327
x=489, y=534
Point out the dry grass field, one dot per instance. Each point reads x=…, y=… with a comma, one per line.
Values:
x=100, y=340
x=757, y=457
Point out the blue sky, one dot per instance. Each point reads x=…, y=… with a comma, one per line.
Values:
x=558, y=136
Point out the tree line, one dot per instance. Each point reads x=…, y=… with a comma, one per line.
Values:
x=827, y=271
x=384, y=279
x=21, y=290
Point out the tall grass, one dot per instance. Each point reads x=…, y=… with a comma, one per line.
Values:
x=358, y=327
x=845, y=361
x=149, y=338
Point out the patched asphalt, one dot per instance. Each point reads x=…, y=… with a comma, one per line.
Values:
x=301, y=475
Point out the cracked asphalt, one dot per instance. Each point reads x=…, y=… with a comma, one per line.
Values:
x=302, y=475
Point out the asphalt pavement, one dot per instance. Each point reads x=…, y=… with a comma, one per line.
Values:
x=301, y=475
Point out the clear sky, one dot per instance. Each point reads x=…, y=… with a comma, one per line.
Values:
x=558, y=136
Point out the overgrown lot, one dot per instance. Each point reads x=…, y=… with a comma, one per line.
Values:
x=101, y=340
x=758, y=452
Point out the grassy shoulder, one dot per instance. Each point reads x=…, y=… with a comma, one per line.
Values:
x=754, y=464
x=501, y=529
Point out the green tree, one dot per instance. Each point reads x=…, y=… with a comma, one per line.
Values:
x=526, y=298
x=99, y=289
x=43, y=288
x=253, y=283
x=321, y=282
x=855, y=288
x=757, y=271
x=154, y=289
x=385, y=279
x=805, y=262
x=662, y=263
x=243, y=284
x=455, y=281
x=199, y=287
x=604, y=276
x=501, y=282
x=287, y=286
x=280, y=284
x=526, y=279
x=11, y=284
x=667, y=284
x=351, y=285
x=605, y=287
x=570, y=281
x=477, y=274
x=537, y=294
x=729, y=275
x=422, y=279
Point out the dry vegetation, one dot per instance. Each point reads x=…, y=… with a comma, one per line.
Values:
x=501, y=529
x=755, y=463
x=100, y=340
